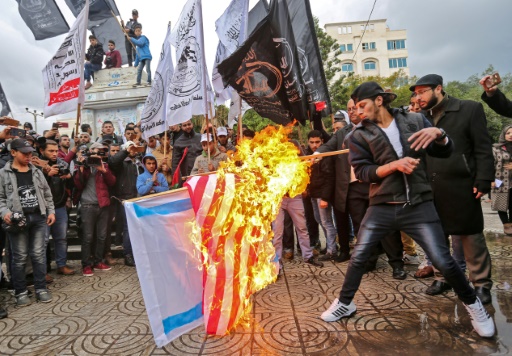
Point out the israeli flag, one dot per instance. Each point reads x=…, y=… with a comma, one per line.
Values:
x=168, y=264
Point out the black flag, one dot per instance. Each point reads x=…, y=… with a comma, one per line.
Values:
x=266, y=71
x=99, y=10
x=110, y=30
x=257, y=13
x=5, y=104
x=309, y=52
x=43, y=17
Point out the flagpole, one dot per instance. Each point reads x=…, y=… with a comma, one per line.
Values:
x=240, y=129
x=78, y=117
x=122, y=28
x=214, y=134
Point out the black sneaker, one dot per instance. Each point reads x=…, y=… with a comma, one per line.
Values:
x=129, y=261
x=312, y=261
x=327, y=257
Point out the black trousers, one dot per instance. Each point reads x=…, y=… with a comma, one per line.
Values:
x=422, y=224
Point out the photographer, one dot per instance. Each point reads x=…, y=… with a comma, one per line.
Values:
x=495, y=97
x=93, y=179
x=58, y=177
x=26, y=206
x=107, y=133
x=127, y=167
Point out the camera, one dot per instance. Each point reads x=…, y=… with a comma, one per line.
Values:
x=18, y=222
x=63, y=169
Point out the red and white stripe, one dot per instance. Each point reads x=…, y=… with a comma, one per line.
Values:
x=227, y=275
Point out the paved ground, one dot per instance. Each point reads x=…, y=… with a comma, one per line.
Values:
x=105, y=315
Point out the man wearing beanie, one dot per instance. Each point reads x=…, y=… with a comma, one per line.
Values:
x=461, y=180
x=388, y=149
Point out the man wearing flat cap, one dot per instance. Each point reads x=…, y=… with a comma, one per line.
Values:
x=129, y=29
x=461, y=180
x=27, y=209
x=388, y=149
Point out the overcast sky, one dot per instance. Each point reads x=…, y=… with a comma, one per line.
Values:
x=453, y=38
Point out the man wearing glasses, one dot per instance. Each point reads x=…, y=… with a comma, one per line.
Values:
x=458, y=182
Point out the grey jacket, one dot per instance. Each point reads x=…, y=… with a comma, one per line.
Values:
x=9, y=198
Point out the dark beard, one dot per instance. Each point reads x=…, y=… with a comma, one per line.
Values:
x=431, y=103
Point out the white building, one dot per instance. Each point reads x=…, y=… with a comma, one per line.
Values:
x=382, y=51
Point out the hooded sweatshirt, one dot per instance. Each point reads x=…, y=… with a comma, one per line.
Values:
x=145, y=183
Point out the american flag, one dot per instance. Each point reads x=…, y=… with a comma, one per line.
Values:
x=231, y=261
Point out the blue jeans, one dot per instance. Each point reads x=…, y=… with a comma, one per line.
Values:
x=422, y=224
x=127, y=245
x=147, y=63
x=59, y=233
x=90, y=68
x=324, y=218
x=29, y=242
x=294, y=207
x=93, y=218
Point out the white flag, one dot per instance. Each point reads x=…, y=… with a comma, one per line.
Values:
x=153, y=118
x=231, y=29
x=187, y=92
x=63, y=75
x=169, y=272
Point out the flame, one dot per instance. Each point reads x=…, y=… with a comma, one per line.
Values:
x=267, y=168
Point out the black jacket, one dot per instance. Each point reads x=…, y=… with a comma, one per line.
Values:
x=341, y=180
x=95, y=54
x=59, y=187
x=499, y=103
x=370, y=148
x=191, y=140
x=472, y=160
x=321, y=184
x=126, y=172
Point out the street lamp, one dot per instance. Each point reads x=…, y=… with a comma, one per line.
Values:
x=35, y=114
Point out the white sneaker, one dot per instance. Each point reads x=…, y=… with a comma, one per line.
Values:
x=338, y=310
x=480, y=319
x=411, y=260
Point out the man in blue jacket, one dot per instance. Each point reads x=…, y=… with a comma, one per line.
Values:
x=143, y=57
x=388, y=148
x=151, y=181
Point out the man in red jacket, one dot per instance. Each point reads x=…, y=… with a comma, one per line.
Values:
x=92, y=181
x=112, y=57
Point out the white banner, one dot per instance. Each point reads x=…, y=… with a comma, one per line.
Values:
x=168, y=268
x=153, y=118
x=63, y=75
x=187, y=91
x=231, y=29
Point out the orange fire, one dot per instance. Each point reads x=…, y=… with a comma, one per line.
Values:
x=266, y=168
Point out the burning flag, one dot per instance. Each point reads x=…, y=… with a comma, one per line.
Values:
x=234, y=210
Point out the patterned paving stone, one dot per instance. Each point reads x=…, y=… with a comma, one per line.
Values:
x=105, y=315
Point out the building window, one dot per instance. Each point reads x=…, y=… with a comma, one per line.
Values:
x=362, y=28
x=398, y=63
x=370, y=65
x=343, y=48
x=369, y=46
x=396, y=44
x=372, y=27
x=350, y=48
x=346, y=48
x=339, y=30
x=347, y=67
x=349, y=29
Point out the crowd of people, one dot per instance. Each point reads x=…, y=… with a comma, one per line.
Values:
x=412, y=175
x=137, y=48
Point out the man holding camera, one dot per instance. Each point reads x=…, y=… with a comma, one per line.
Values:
x=494, y=97
x=127, y=168
x=92, y=181
x=58, y=177
x=27, y=209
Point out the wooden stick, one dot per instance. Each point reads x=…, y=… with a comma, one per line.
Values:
x=165, y=147
x=332, y=119
x=214, y=122
x=122, y=29
x=326, y=154
x=320, y=155
x=169, y=192
x=78, y=118
x=240, y=129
